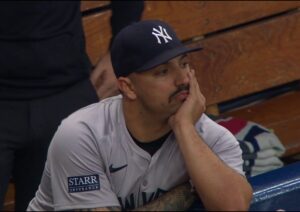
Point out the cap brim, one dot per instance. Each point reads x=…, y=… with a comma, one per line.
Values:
x=166, y=56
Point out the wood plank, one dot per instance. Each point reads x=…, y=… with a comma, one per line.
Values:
x=249, y=60
x=281, y=114
x=87, y=4
x=9, y=202
x=213, y=110
x=194, y=18
x=97, y=34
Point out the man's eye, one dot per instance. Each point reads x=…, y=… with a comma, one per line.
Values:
x=161, y=72
x=184, y=64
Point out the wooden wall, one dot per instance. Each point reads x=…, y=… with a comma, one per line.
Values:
x=248, y=40
x=249, y=46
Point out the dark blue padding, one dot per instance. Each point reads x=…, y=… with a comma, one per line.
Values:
x=277, y=189
x=273, y=190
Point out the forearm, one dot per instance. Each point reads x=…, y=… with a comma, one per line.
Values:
x=219, y=186
x=99, y=209
x=178, y=199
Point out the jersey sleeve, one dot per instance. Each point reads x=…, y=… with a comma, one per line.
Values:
x=223, y=143
x=77, y=171
x=229, y=151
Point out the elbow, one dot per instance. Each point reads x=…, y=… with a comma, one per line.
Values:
x=237, y=202
x=242, y=205
x=243, y=199
x=242, y=202
x=247, y=197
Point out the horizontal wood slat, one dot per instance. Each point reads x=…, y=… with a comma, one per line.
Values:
x=250, y=59
x=87, y=4
x=98, y=34
x=194, y=18
x=281, y=114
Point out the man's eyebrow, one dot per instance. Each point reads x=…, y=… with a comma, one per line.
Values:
x=183, y=56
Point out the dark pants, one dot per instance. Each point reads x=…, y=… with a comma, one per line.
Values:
x=26, y=129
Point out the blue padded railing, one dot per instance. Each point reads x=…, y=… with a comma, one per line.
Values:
x=277, y=189
x=272, y=191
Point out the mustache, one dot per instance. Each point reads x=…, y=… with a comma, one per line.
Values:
x=180, y=88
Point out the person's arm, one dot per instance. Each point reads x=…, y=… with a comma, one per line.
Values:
x=179, y=198
x=100, y=209
x=102, y=77
x=123, y=14
x=76, y=168
x=219, y=186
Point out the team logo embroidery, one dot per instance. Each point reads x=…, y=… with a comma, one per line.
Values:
x=83, y=183
x=161, y=33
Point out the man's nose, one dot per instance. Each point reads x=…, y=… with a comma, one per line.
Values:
x=182, y=76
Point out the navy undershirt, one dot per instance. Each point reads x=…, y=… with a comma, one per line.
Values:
x=152, y=146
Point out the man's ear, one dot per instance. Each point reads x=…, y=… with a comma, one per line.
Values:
x=126, y=87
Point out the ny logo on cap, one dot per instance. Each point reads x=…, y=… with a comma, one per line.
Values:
x=162, y=32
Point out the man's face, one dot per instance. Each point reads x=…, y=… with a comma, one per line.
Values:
x=163, y=89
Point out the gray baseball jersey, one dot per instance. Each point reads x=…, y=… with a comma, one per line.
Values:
x=94, y=162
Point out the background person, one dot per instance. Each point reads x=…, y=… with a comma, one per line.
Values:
x=45, y=74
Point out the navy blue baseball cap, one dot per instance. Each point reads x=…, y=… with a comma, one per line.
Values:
x=144, y=45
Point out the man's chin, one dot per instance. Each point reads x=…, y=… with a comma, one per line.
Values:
x=175, y=107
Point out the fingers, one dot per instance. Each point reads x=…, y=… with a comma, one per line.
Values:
x=195, y=89
x=193, y=81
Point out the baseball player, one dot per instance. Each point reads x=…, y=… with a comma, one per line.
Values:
x=151, y=148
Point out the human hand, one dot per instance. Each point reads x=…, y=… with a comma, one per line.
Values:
x=193, y=106
x=103, y=78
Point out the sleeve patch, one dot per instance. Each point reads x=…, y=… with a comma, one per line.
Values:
x=83, y=183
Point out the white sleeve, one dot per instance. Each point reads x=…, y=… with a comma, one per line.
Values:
x=78, y=178
x=223, y=143
x=228, y=150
